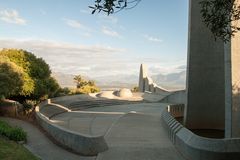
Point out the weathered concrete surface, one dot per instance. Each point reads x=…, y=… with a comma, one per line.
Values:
x=142, y=76
x=87, y=122
x=139, y=136
x=177, y=97
x=146, y=83
x=235, y=78
x=41, y=146
x=124, y=93
x=80, y=143
x=200, y=148
x=205, y=76
x=132, y=131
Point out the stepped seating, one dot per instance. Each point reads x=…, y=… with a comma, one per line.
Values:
x=80, y=105
x=51, y=110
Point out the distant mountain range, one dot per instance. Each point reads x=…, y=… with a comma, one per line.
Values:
x=171, y=81
x=168, y=81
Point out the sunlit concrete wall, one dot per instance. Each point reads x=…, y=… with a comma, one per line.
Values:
x=205, y=75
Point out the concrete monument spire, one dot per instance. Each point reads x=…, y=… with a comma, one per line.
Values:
x=142, y=77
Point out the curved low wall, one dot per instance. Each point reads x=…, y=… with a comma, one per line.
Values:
x=195, y=147
x=177, y=97
x=79, y=143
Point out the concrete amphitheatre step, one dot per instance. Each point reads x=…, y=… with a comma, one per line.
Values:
x=97, y=103
x=51, y=110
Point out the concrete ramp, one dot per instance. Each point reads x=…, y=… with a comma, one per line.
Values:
x=138, y=137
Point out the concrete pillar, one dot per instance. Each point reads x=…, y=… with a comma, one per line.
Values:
x=228, y=90
x=235, y=78
x=142, y=77
x=205, y=75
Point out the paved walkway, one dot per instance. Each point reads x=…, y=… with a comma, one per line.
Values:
x=139, y=136
x=132, y=132
x=41, y=146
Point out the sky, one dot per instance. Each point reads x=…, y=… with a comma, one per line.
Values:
x=73, y=41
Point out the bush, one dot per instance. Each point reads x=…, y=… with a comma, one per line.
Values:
x=85, y=90
x=29, y=104
x=13, y=133
x=62, y=92
x=135, y=89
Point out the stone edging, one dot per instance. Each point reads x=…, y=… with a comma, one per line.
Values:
x=83, y=144
x=196, y=147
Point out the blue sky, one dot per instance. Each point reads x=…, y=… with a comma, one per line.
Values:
x=71, y=40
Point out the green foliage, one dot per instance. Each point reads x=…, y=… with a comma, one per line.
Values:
x=135, y=89
x=88, y=89
x=38, y=83
x=46, y=88
x=79, y=80
x=113, y=6
x=13, y=133
x=11, y=78
x=84, y=86
x=63, y=92
x=28, y=105
x=219, y=15
x=13, y=151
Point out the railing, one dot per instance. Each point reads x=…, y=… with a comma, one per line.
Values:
x=195, y=147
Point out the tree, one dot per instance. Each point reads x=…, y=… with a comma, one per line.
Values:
x=218, y=15
x=113, y=6
x=84, y=86
x=91, y=83
x=11, y=78
x=79, y=81
x=38, y=83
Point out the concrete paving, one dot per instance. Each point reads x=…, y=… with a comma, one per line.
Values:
x=131, y=131
x=139, y=136
x=41, y=146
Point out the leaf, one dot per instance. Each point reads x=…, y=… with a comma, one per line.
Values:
x=93, y=11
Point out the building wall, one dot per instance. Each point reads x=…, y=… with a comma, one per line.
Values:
x=205, y=75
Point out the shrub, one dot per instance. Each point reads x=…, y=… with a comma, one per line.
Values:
x=29, y=104
x=62, y=92
x=17, y=134
x=135, y=89
x=13, y=133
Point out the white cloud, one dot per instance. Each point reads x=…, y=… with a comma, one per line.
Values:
x=78, y=25
x=108, y=19
x=93, y=61
x=67, y=57
x=152, y=39
x=12, y=16
x=167, y=68
x=54, y=46
x=73, y=23
x=110, y=32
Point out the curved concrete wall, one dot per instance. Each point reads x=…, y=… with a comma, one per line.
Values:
x=177, y=97
x=146, y=83
x=200, y=148
x=150, y=86
x=79, y=143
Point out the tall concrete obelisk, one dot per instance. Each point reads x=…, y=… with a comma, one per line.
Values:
x=205, y=75
x=142, y=78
